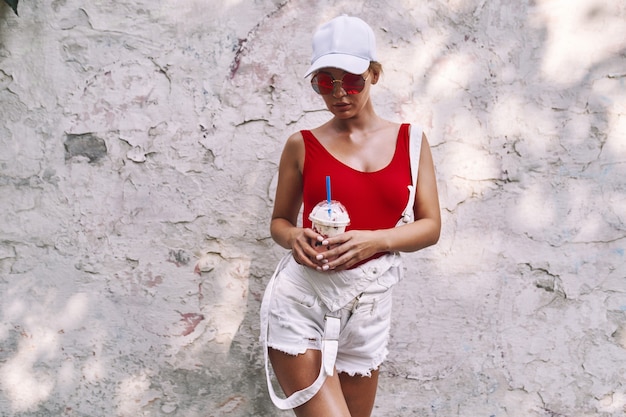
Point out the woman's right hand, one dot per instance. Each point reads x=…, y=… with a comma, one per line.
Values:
x=304, y=250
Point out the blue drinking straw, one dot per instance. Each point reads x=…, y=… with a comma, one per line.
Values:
x=328, y=193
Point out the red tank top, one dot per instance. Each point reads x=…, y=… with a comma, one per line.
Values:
x=374, y=200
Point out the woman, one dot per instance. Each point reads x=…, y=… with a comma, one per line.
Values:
x=326, y=312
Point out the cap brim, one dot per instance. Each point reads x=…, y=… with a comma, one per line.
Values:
x=348, y=63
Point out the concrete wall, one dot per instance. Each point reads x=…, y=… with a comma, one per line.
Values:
x=138, y=150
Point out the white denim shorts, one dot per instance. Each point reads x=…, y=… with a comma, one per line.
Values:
x=297, y=312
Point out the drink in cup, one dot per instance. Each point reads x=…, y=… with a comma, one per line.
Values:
x=329, y=218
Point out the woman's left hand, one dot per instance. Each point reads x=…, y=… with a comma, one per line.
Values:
x=350, y=248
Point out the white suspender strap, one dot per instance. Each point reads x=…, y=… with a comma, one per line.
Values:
x=415, y=147
x=330, y=345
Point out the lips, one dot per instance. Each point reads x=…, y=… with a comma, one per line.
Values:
x=341, y=106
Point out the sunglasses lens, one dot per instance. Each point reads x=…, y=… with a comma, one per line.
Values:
x=322, y=83
x=353, y=84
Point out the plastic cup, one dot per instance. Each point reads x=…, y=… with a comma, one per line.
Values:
x=329, y=218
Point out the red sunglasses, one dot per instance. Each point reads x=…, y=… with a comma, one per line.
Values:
x=323, y=83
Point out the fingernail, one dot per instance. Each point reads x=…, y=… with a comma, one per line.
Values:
x=320, y=238
x=325, y=261
x=325, y=268
x=319, y=257
x=325, y=242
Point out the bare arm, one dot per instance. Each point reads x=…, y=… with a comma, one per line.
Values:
x=287, y=205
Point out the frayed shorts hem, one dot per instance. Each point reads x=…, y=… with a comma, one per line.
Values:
x=340, y=366
x=351, y=371
x=291, y=350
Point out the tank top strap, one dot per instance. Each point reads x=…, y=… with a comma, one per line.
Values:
x=309, y=138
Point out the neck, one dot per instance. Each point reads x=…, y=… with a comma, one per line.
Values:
x=366, y=119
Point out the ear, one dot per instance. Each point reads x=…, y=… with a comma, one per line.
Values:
x=375, y=77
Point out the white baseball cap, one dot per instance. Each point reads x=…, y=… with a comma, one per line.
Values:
x=346, y=42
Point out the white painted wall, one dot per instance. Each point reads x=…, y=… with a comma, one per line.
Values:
x=139, y=141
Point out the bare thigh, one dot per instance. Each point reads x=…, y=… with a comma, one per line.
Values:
x=298, y=372
x=359, y=393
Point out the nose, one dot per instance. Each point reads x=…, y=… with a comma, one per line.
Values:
x=338, y=90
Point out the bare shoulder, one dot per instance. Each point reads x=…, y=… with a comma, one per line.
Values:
x=293, y=152
x=295, y=137
x=323, y=131
x=386, y=128
x=295, y=142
